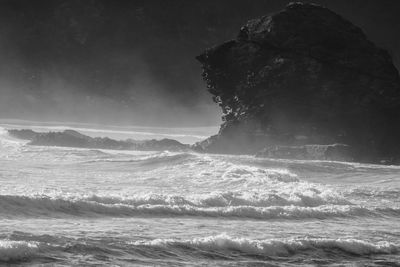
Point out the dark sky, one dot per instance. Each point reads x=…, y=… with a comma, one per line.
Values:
x=132, y=61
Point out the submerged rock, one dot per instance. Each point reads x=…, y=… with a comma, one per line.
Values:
x=71, y=138
x=303, y=76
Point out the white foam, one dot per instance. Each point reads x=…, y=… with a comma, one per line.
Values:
x=286, y=212
x=146, y=158
x=277, y=247
x=9, y=146
x=17, y=250
x=177, y=206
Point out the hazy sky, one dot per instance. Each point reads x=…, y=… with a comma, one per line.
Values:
x=131, y=61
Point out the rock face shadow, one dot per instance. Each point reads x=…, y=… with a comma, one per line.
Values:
x=299, y=78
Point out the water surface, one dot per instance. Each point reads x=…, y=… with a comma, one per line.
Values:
x=69, y=206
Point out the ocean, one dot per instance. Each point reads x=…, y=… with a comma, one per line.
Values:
x=86, y=207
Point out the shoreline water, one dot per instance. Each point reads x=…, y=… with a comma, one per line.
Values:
x=104, y=207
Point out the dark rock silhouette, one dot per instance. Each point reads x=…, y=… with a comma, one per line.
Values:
x=71, y=138
x=303, y=76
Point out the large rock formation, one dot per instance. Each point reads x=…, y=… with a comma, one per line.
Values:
x=303, y=76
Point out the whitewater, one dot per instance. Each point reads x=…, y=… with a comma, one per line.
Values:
x=86, y=207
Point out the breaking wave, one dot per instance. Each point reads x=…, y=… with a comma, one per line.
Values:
x=174, y=206
x=212, y=247
x=17, y=250
x=156, y=158
x=275, y=247
x=120, y=201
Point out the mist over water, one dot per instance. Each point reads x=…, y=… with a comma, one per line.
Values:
x=133, y=62
x=146, y=103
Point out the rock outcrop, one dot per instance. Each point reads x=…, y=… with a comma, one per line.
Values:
x=71, y=138
x=303, y=76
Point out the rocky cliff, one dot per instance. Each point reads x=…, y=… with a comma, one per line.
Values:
x=71, y=138
x=303, y=76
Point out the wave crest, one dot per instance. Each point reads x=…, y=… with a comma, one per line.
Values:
x=17, y=250
x=50, y=207
x=275, y=247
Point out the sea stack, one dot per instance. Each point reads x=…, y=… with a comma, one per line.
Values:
x=303, y=77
